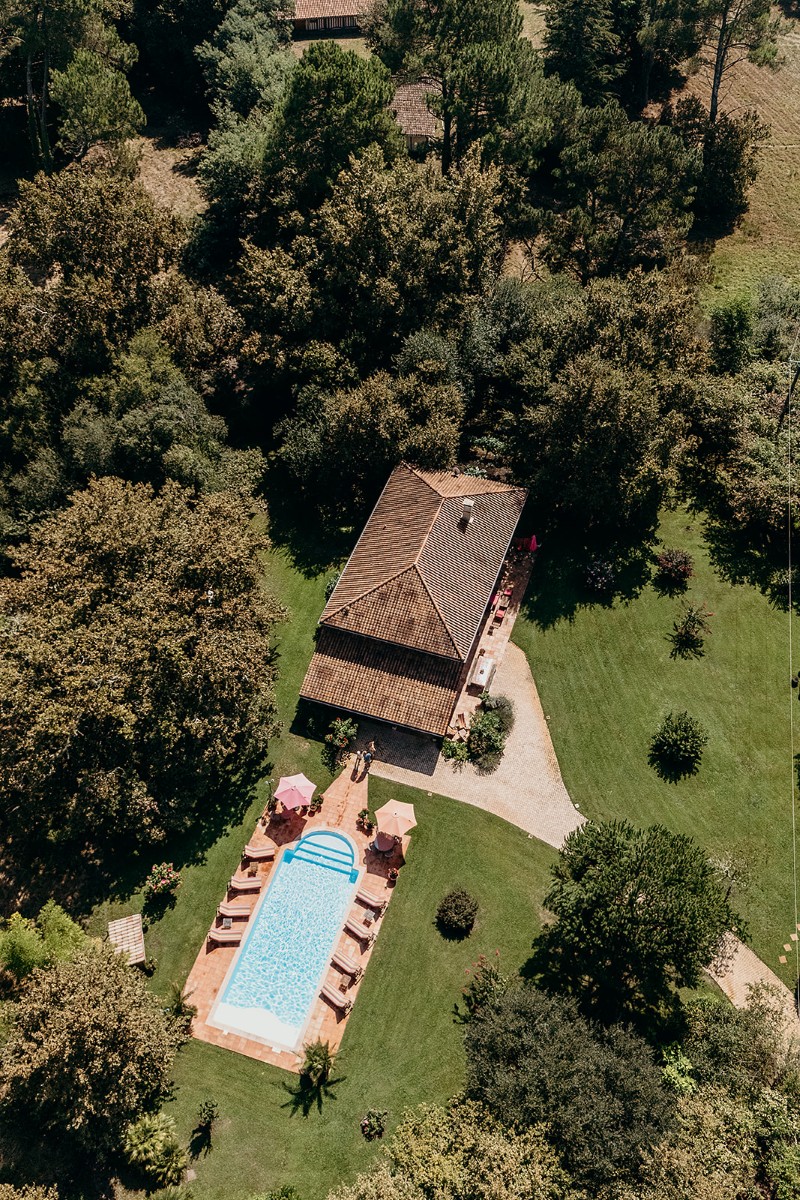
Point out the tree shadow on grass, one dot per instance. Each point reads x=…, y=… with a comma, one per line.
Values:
x=559, y=587
x=81, y=876
x=313, y=545
x=304, y=1096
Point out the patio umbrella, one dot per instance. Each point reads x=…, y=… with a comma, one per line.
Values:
x=395, y=818
x=294, y=791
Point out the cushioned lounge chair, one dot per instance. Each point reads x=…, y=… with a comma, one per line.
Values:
x=224, y=937
x=337, y=999
x=227, y=909
x=347, y=965
x=372, y=901
x=245, y=883
x=259, y=853
x=360, y=931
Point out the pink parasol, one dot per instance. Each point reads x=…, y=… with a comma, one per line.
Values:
x=294, y=791
x=395, y=818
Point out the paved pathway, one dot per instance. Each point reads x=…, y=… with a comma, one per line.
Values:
x=527, y=790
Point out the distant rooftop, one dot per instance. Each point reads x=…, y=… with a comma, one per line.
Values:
x=411, y=111
x=310, y=10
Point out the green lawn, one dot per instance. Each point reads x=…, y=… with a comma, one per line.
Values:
x=606, y=679
x=402, y=1045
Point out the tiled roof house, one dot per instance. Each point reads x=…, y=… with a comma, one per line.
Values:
x=397, y=635
x=315, y=16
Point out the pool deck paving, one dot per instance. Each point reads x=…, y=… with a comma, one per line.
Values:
x=342, y=802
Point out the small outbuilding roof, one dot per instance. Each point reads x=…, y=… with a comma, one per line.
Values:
x=411, y=111
x=127, y=937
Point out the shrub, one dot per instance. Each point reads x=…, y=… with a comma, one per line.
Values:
x=456, y=914
x=151, y=1145
x=487, y=739
x=688, y=632
x=162, y=881
x=677, y=746
x=674, y=570
x=455, y=751
x=373, y=1124
x=331, y=584
x=208, y=1115
x=485, y=987
x=503, y=709
x=341, y=732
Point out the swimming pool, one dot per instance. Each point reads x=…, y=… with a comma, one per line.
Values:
x=275, y=977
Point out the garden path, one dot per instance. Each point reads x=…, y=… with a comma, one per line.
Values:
x=527, y=790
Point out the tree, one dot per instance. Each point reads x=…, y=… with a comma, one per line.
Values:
x=96, y=104
x=89, y=1050
x=638, y=914
x=151, y=1144
x=730, y=147
x=171, y=693
x=471, y=52
x=43, y=36
x=325, y=444
x=391, y=252
x=599, y=451
x=318, y=1062
x=582, y=47
x=621, y=195
x=334, y=107
x=146, y=423
x=689, y=632
x=25, y=944
x=533, y=1060
x=741, y=29
x=436, y=1151
x=94, y=241
x=245, y=62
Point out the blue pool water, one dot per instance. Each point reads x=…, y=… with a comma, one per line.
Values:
x=275, y=977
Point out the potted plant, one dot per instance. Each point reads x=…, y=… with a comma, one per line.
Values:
x=392, y=877
x=362, y=818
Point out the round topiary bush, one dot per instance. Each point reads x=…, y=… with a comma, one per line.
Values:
x=677, y=746
x=456, y=914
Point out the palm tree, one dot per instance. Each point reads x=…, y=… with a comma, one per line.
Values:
x=318, y=1062
x=178, y=1004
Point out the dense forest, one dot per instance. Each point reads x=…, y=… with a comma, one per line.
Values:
x=520, y=298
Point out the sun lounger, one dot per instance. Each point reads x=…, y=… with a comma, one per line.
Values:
x=245, y=883
x=347, y=965
x=226, y=909
x=224, y=937
x=377, y=902
x=259, y=853
x=337, y=999
x=359, y=931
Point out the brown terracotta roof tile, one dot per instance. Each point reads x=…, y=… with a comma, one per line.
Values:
x=411, y=111
x=420, y=574
x=309, y=10
x=386, y=682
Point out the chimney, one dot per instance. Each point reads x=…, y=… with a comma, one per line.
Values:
x=466, y=512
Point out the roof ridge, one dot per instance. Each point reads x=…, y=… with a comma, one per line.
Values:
x=416, y=471
x=363, y=595
x=439, y=612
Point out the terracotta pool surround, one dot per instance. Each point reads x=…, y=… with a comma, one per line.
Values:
x=343, y=801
